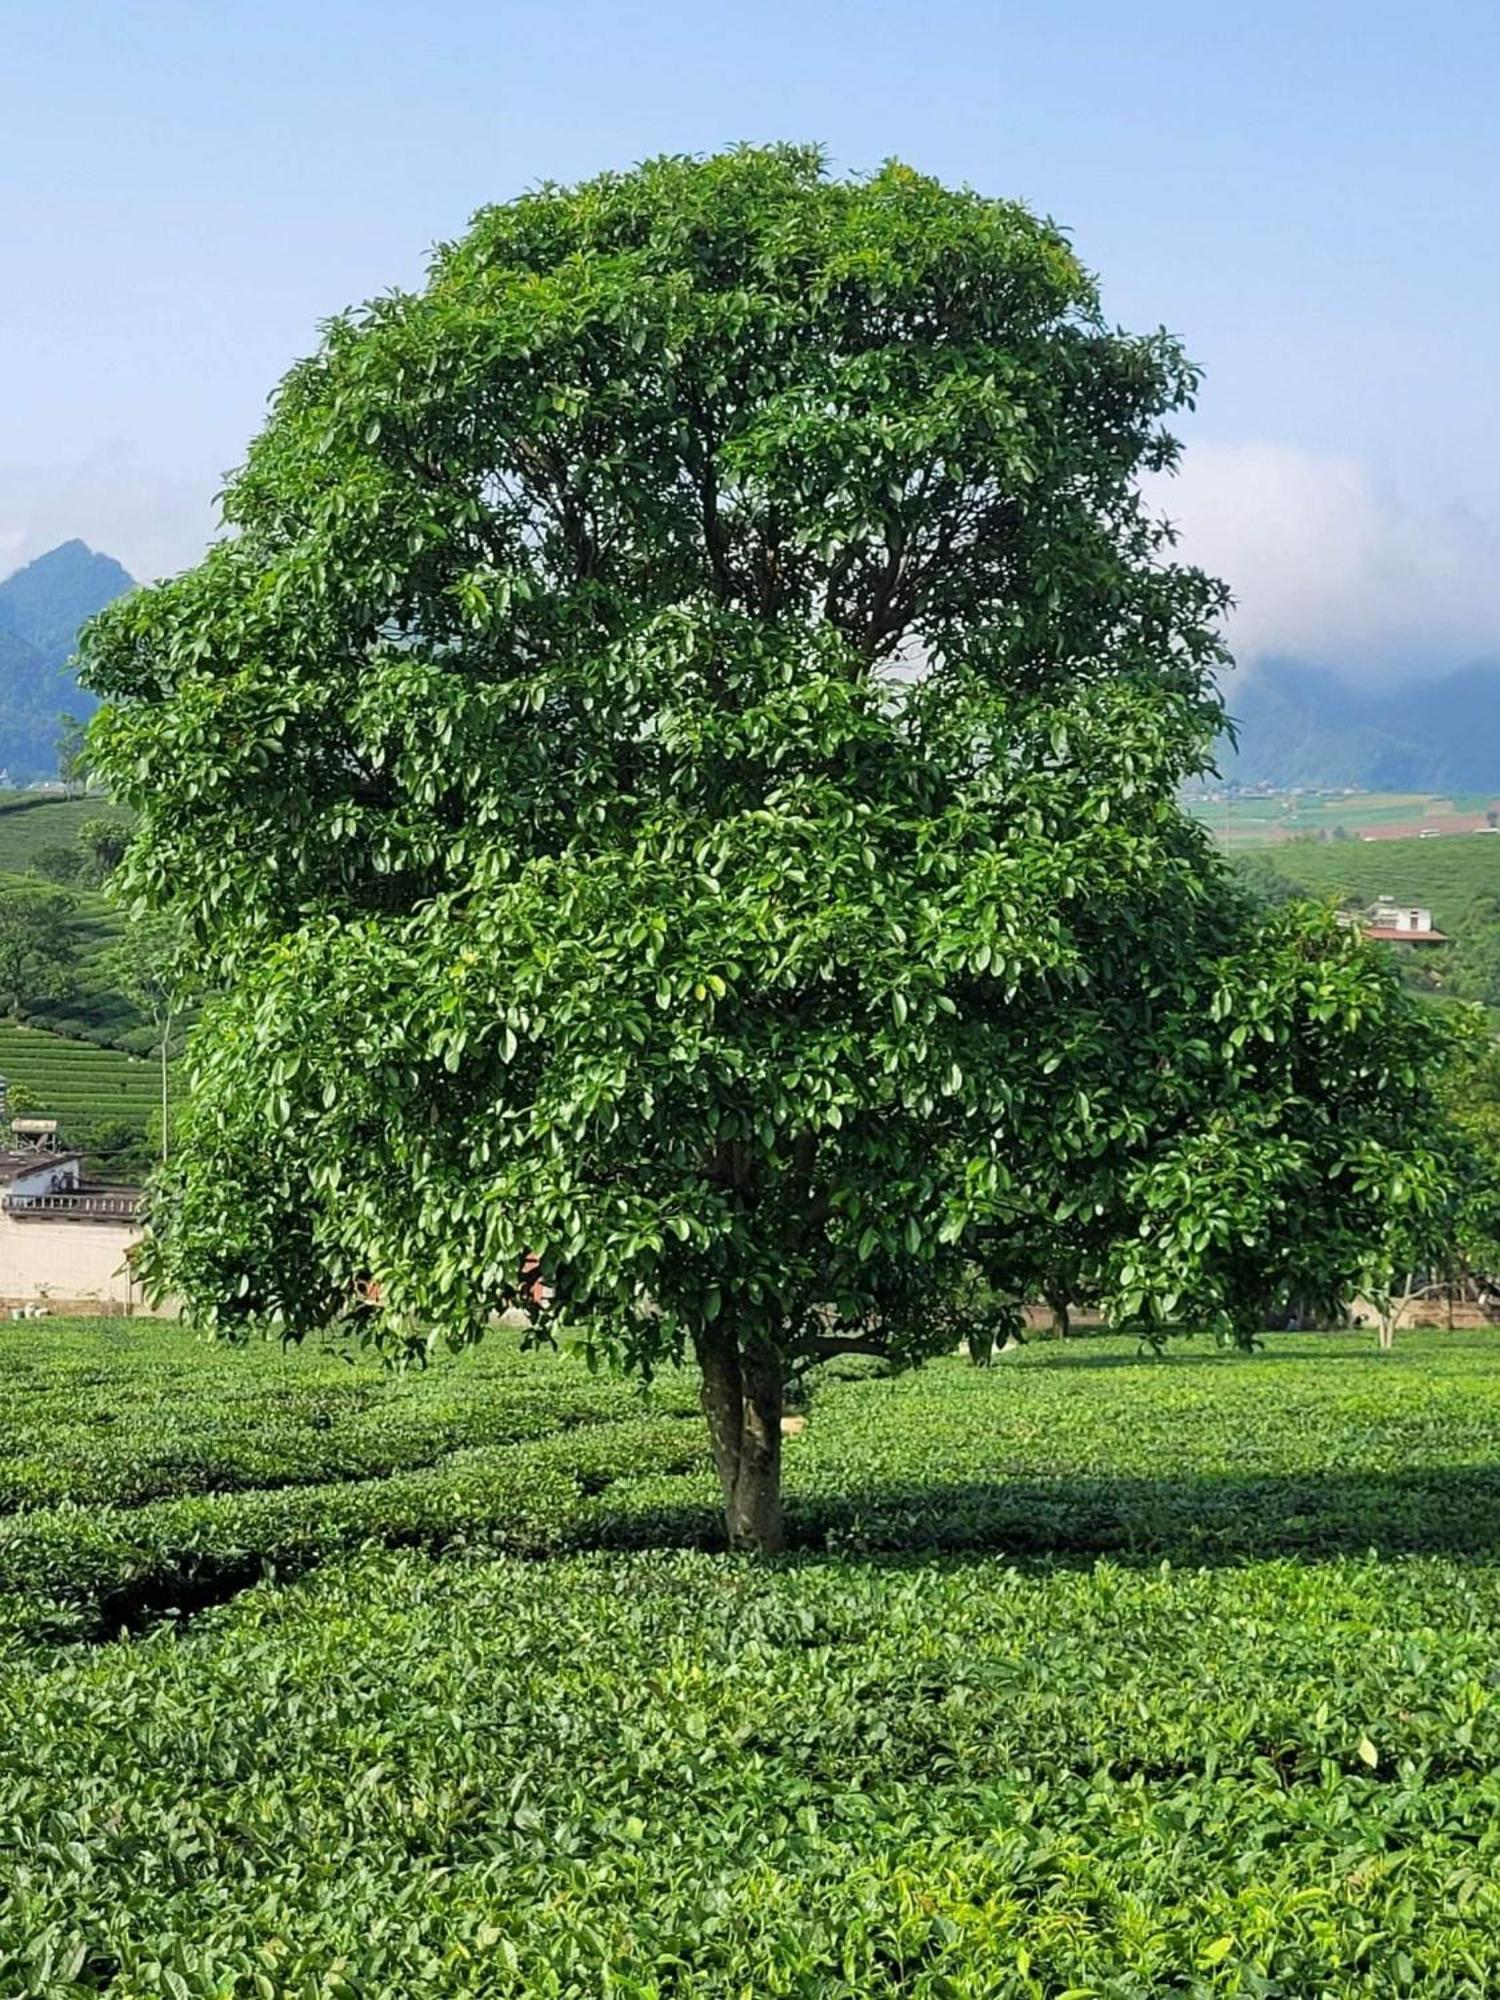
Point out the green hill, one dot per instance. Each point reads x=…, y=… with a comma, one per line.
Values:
x=104, y=1101
x=1445, y=875
x=85, y=1058
x=33, y=822
x=94, y=1011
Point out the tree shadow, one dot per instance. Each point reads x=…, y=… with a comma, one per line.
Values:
x=1065, y=1355
x=1191, y=1520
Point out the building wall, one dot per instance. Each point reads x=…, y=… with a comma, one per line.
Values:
x=47, y=1174
x=64, y=1262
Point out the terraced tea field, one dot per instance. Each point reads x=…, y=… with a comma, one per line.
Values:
x=76, y=1078
x=31, y=822
x=104, y=1099
x=1089, y=1675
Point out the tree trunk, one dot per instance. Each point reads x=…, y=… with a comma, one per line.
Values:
x=166, y=1071
x=742, y=1400
x=1062, y=1319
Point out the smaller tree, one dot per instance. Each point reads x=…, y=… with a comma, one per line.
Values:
x=74, y=759
x=149, y=966
x=58, y=862
x=104, y=842
x=1315, y=1157
x=38, y=948
x=1448, y=1237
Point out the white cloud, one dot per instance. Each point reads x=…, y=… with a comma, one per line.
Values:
x=1329, y=567
x=153, y=522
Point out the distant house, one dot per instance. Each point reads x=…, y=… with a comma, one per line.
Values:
x=65, y=1241
x=1401, y=923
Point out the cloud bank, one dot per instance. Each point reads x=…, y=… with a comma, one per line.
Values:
x=1326, y=565
x=1329, y=567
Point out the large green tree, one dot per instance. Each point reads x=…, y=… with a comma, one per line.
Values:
x=673, y=774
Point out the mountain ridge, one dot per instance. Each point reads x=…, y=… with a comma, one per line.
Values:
x=42, y=606
x=1300, y=724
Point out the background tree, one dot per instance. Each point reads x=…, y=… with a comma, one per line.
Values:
x=104, y=841
x=38, y=948
x=1305, y=1150
x=1474, y=968
x=74, y=757
x=578, y=864
x=59, y=862
x=150, y=965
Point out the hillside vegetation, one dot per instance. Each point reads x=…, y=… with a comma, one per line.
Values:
x=35, y=825
x=79, y=1084
x=517, y=1730
x=1446, y=875
x=75, y=1044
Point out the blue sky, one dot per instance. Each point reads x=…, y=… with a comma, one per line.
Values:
x=1308, y=195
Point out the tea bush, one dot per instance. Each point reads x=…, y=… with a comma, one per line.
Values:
x=1094, y=1676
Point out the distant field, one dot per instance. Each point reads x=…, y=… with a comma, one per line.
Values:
x=1262, y=822
x=31, y=822
x=1445, y=875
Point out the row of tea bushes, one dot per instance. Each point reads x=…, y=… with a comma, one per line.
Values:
x=118, y=1413
x=137, y=1494
x=71, y=1572
x=662, y=1776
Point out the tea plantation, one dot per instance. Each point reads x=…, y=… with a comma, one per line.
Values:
x=1444, y=874
x=1090, y=1675
x=74, y=1081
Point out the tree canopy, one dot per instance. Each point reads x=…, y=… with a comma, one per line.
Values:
x=674, y=775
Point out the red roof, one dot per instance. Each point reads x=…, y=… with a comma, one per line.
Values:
x=1389, y=931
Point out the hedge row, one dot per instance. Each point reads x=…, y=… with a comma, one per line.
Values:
x=667, y=1776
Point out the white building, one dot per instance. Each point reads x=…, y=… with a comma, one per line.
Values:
x=1402, y=923
x=64, y=1241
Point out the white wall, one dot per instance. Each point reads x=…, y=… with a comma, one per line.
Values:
x=66, y=1262
x=40, y=1178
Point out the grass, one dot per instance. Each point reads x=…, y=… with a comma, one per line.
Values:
x=1089, y=1675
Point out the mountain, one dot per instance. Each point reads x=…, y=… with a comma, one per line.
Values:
x=1302, y=725
x=41, y=609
